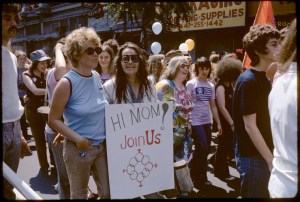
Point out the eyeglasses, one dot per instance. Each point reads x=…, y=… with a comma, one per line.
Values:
x=91, y=51
x=182, y=66
x=133, y=58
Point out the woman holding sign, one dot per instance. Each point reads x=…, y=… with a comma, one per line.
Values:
x=130, y=84
x=79, y=97
x=172, y=88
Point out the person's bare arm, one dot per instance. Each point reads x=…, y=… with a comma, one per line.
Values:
x=60, y=98
x=216, y=115
x=257, y=139
x=32, y=87
x=25, y=149
x=220, y=97
x=60, y=62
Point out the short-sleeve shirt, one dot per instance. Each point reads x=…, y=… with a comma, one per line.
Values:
x=181, y=99
x=202, y=93
x=251, y=97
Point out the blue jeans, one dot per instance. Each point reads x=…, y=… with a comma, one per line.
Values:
x=201, y=135
x=183, y=151
x=255, y=176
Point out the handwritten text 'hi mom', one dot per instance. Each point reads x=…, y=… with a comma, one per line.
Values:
x=137, y=115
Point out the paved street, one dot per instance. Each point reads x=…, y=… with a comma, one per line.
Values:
x=43, y=184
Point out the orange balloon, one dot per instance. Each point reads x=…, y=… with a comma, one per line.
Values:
x=190, y=44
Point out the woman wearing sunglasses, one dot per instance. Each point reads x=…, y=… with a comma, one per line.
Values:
x=130, y=84
x=79, y=98
x=172, y=88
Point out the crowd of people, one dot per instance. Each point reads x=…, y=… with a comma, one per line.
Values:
x=253, y=114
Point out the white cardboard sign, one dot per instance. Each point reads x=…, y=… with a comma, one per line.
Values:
x=139, y=141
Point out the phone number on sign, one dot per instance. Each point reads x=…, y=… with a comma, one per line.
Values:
x=204, y=23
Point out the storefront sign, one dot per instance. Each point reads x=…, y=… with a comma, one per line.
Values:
x=215, y=14
x=139, y=148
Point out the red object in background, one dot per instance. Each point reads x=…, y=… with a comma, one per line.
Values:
x=239, y=50
x=264, y=15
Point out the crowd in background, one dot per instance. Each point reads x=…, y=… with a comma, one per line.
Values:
x=253, y=113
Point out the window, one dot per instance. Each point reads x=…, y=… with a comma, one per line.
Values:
x=20, y=32
x=47, y=27
x=73, y=23
x=55, y=25
x=33, y=29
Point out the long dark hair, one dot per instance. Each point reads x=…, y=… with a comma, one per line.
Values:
x=121, y=81
x=33, y=67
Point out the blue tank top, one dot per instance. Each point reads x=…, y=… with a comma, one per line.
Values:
x=85, y=110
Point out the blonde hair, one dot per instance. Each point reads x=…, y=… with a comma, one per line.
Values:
x=76, y=42
x=173, y=67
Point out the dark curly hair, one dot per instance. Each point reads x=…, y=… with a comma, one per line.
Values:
x=121, y=81
x=229, y=69
x=256, y=40
x=200, y=63
x=14, y=8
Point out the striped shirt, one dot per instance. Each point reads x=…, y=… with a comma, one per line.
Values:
x=202, y=93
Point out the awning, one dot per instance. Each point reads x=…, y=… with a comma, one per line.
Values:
x=36, y=37
x=130, y=27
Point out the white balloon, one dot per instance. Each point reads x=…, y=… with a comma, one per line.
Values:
x=156, y=28
x=155, y=47
x=183, y=47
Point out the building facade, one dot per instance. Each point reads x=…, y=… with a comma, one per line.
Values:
x=214, y=26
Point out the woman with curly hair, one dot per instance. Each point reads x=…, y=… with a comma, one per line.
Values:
x=228, y=70
x=79, y=98
x=252, y=130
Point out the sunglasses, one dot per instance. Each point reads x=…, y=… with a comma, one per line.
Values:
x=182, y=66
x=91, y=51
x=133, y=58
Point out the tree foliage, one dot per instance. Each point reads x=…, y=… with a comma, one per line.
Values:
x=169, y=14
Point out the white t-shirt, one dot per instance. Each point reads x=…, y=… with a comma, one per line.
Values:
x=12, y=109
x=51, y=83
x=283, y=181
